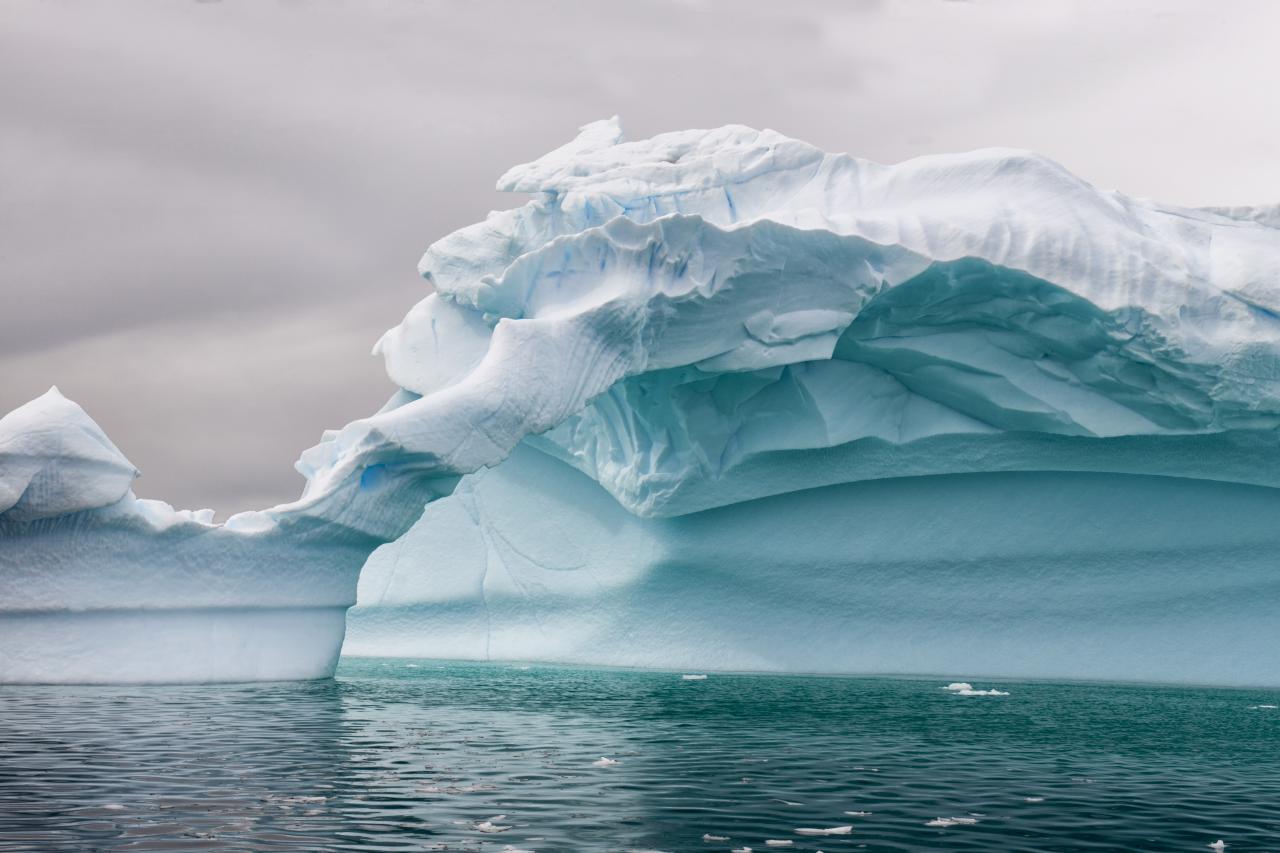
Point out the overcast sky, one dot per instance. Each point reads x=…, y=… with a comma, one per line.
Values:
x=209, y=211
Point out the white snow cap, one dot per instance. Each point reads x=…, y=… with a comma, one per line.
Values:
x=668, y=310
x=55, y=460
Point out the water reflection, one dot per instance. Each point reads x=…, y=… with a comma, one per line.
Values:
x=398, y=755
x=158, y=768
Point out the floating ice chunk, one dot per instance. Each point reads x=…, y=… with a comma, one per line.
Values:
x=605, y=762
x=708, y=837
x=963, y=688
x=859, y=814
x=1033, y=799
x=491, y=825
x=693, y=678
x=834, y=830
x=1218, y=845
x=952, y=821
x=1263, y=707
x=779, y=842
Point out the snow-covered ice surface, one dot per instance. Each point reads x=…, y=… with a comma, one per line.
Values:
x=774, y=408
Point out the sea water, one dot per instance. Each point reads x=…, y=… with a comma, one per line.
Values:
x=421, y=755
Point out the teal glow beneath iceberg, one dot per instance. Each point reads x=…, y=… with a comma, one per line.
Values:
x=802, y=393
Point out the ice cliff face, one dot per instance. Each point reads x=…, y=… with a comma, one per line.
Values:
x=707, y=319
x=1016, y=574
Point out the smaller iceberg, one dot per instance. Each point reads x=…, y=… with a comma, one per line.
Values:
x=97, y=585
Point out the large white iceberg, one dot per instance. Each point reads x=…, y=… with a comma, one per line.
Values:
x=965, y=414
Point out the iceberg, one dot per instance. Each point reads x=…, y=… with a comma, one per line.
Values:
x=965, y=414
x=97, y=585
x=720, y=400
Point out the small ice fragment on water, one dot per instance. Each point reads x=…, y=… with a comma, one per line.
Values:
x=787, y=802
x=775, y=842
x=952, y=821
x=492, y=825
x=411, y=666
x=115, y=807
x=510, y=849
x=693, y=678
x=1219, y=845
x=605, y=762
x=858, y=814
x=741, y=850
x=1263, y=707
x=964, y=688
x=1033, y=799
x=835, y=830
x=708, y=837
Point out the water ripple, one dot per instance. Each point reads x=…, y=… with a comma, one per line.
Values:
x=490, y=757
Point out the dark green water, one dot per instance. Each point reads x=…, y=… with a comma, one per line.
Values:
x=399, y=755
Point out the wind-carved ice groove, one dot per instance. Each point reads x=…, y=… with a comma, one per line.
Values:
x=699, y=320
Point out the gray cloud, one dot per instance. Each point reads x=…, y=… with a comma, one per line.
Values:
x=209, y=211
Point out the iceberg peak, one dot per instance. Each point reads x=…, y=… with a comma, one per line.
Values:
x=56, y=460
